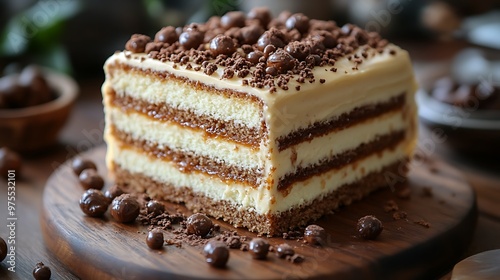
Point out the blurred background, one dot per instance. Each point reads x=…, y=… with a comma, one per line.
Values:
x=76, y=36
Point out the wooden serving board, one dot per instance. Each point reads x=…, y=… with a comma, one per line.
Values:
x=94, y=248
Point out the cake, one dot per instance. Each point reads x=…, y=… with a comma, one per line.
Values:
x=266, y=123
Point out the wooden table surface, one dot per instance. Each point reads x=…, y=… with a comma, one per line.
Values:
x=84, y=131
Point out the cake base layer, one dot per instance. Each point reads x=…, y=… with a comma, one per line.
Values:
x=270, y=224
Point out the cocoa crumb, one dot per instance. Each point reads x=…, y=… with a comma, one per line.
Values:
x=391, y=206
x=423, y=223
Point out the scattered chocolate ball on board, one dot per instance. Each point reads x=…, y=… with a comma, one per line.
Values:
x=155, y=207
x=79, y=164
x=93, y=203
x=216, y=253
x=125, y=208
x=41, y=272
x=369, y=227
x=284, y=250
x=315, y=235
x=155, y=239
x=199, y=224
x=259, y=248
x=90, y=179
x=113, y=192
x=3, y=249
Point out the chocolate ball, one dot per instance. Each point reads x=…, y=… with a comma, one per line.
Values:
x=216, y=253
x=191, y=39
x=315, y=235
x=155, y=239
x=137, y=43
x=273, y=37
x=281, y=60
x=284, y=250
x=93, y=203
x=3, y=249
x=198, y=224
x=271, y=71
x=9, y=160
x=262, y=14
x=254, y=56
x=233, y=19
x=125, y=208
x=369, y=227
x=155, y=207
x=222, y=44
x=268, y=50
x=112, y=192
x=41, y=272
x=37, y=87
x=250, y=34
x=259, y=248
x=167, y=35
x=79, y=164
x=298, y=50
x=298, y=21
x=89, y=179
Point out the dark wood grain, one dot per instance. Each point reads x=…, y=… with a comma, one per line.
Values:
x=104, y=249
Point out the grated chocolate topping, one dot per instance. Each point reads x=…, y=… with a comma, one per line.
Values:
x=265, y=52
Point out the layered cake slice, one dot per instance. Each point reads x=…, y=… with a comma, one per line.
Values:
x=265, y=123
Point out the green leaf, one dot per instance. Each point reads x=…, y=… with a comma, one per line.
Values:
x=41, y=22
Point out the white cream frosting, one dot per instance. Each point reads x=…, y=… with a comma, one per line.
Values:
x=377, y=79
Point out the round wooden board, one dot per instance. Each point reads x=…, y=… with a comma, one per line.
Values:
x=104, y=249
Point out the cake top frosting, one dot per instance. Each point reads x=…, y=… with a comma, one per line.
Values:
x=264, y=52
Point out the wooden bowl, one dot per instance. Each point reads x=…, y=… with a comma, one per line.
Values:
x=34, y=128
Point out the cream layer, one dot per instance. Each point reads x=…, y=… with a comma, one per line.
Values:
x=378, y=78
x=263, y=200
x=177, y=137
x=312, y=152
x=174, y=136
x=182, y=96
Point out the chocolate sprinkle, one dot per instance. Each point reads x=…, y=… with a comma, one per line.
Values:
x=245, y=45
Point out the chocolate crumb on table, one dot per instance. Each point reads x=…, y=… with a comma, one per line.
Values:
x=391, y=206
x=423, y=223
x=399, y=215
